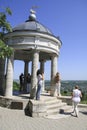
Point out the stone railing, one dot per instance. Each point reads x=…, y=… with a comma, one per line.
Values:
x=68, y=100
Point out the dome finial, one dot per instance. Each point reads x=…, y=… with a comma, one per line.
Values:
x=32, y=16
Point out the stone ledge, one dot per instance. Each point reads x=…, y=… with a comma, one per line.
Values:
x=10, y=103
x=5, y=102
x=83, y=105
x=66, y=99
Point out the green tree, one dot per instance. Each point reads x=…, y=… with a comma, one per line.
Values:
x=5, y=27
x=5, y=51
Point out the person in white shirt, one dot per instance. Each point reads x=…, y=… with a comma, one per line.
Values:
x=40, y=77
x=76, y=98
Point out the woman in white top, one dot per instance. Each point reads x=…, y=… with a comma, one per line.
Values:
x=40, y=81
x=76, y=98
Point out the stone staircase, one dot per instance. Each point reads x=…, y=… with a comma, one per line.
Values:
x=47, y=106
x=55, y=106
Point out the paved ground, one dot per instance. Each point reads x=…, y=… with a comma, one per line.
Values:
x=17, y=120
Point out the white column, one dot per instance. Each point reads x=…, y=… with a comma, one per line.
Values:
x=9, y=77
x=42, y=70
x=34, y=74
x=53, y=72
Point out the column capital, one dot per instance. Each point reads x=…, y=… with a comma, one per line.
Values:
x=42, y=60
x=54, y=55
x=35, y=50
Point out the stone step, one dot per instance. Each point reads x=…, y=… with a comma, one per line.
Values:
x=55, y=108
x=53, y=102
x=57, y=105
x=53, y=111
x=48, y=98
x=57, y=116
x=61, y=110
x=66, y=109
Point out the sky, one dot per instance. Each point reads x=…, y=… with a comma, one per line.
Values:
x=66, y=19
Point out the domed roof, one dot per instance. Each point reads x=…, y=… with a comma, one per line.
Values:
x=32, y=25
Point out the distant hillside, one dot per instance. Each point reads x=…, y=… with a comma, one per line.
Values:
x=16, y=80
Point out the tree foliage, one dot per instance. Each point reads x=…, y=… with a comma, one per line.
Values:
x=5, y=27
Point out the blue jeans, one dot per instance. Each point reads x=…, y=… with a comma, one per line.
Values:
x=38, y=92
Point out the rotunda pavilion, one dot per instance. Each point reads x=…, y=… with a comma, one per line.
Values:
x=31, y=42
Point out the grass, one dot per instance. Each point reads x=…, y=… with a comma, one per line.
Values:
x=83, y=102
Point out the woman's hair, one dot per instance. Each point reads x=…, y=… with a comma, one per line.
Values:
x=76, y=87
x=39, y=72
x=57, y=73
